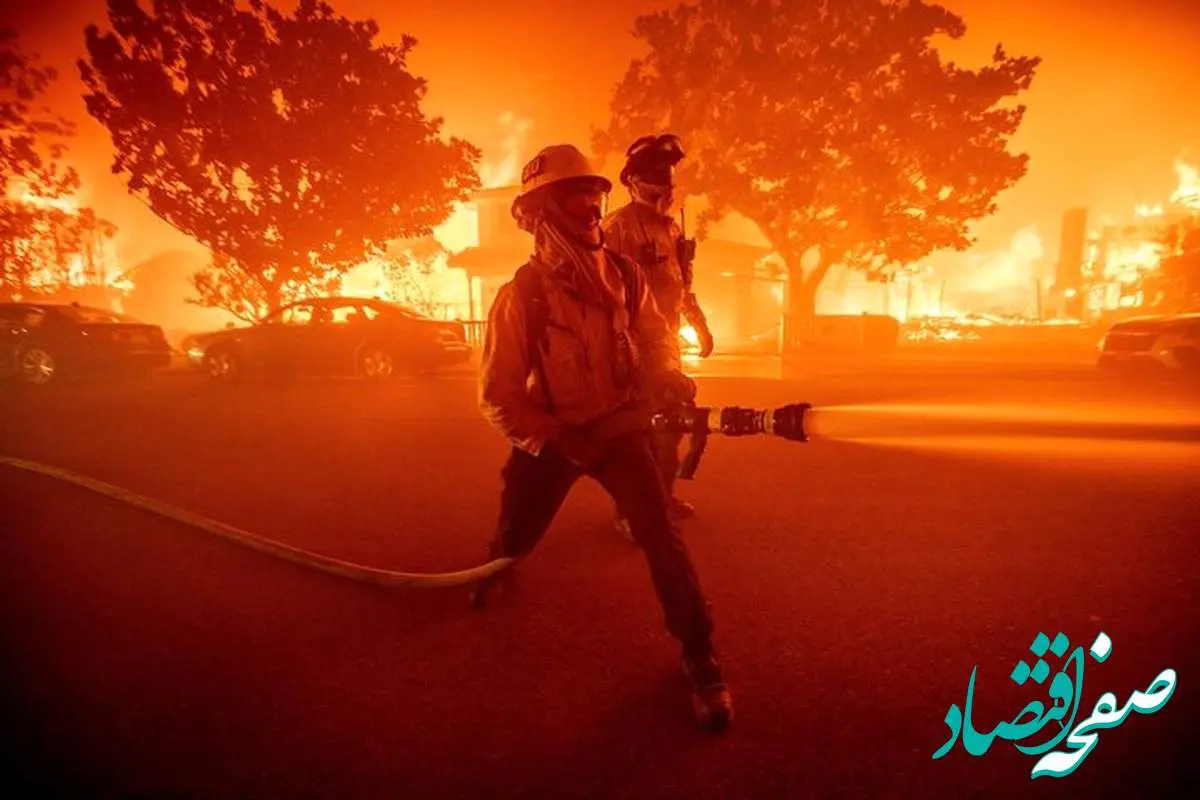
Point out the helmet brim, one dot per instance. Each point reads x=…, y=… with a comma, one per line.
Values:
x=597, y=182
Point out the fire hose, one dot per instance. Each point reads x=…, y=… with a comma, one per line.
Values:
x=786, y=422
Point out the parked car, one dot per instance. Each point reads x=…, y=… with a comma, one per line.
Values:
x=331, y=336
x=1163, y=342
x=41, y=343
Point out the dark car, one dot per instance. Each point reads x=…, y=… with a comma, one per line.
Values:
x=1166, y=342
x=331, y=336
x=41, y=343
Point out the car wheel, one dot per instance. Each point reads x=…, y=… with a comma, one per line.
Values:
x=222, y=365
x=376, y=363
x=36, y=367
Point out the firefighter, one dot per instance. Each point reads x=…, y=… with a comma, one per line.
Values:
x=572, y=339
x=644, y=231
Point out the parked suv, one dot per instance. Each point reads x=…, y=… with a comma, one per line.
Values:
x=1169, y=341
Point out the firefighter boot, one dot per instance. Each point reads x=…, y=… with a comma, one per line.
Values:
x=681, y=510
x=711, y=700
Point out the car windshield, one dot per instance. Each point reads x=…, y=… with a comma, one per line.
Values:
x=89, y=315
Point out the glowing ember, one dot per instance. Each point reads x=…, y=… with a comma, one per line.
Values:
x=689, y=340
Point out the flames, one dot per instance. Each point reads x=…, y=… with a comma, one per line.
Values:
x=58, y=258
x=1121, y=260
x=1126, y=257
x=1184, y=199
x=1118, y=260
x=29, y=199
x=997, y=283
x=689, y=343
x=1187, y=194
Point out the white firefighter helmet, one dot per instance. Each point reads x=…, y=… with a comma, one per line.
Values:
x=555, y=164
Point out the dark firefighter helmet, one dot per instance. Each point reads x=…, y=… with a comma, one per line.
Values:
x=652, y=158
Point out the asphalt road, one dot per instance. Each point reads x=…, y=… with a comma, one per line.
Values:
x=946, y=515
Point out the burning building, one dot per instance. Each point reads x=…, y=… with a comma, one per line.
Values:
x=58, y=250
x=499, y=249
x=1116, y=270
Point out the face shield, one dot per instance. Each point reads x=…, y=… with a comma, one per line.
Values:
x=581, y=205
x=650, y=167
x=575, y=206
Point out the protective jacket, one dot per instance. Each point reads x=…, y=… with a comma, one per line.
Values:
x=587, y=371
x=639, y=232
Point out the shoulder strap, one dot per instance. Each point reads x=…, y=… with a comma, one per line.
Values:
x=537, y=318
x=632, y=275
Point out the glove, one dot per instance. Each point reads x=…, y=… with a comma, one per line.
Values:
x=579, y=449
x=674, y=387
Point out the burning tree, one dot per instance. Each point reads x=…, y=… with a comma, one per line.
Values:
x=291, y=146
x=834, y=125
x=64, y=247
x=46, y=241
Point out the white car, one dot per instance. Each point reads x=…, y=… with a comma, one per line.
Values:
x=1168, y=341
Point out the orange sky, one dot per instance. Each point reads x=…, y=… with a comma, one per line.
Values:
x=1112, y=107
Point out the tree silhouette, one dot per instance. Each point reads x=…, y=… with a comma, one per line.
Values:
x=47, y=243
x=32, y=139
x=831, y=124
x=32, y=173
x=292, y=146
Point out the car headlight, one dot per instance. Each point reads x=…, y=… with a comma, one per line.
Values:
x=193, y=350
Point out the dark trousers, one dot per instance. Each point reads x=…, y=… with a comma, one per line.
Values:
x=534, y=488
x=666, y=453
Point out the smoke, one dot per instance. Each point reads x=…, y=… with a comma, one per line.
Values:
x=507, y=168
x=1002, y=282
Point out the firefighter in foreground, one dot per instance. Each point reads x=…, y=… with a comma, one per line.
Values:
x=644, y=230
x=575, y=337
